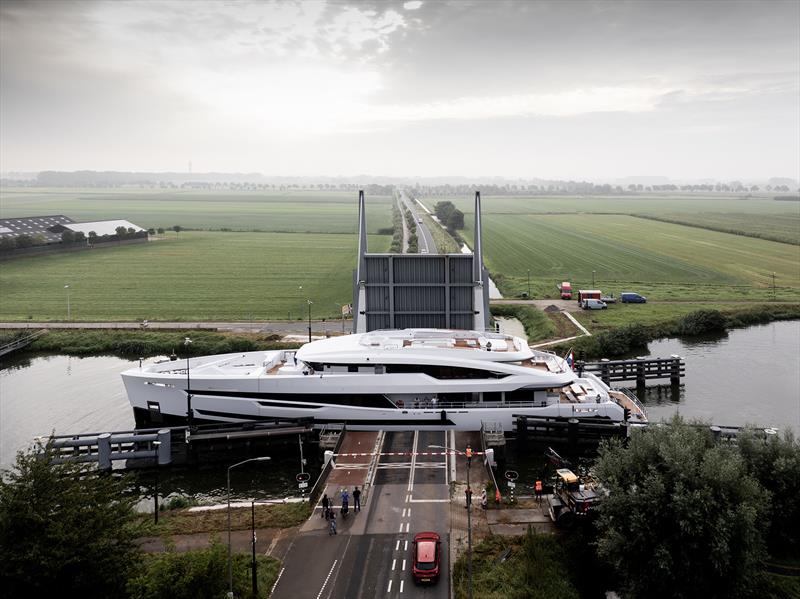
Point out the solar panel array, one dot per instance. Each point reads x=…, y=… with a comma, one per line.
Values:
x=34, y=225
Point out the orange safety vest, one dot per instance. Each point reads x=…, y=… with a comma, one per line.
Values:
x=469, y=451
x=538, y=486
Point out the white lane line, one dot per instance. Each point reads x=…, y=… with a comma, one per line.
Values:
x=453, y=458
x=408, y=524
x=409, y=512
x=413, y=462
x=394, y=563
x=432, y=500
x=405, y=548
x=401, y=585
x=397, y=547
x=401, y=528
x=327, y=578
x=403, y=515
x=404, y=566
x=276, y=581
x=388, y=589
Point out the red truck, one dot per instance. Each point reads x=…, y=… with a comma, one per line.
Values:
x=566, y=290
x=584, y=294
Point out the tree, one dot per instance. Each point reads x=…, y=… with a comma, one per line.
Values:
x=455, y=220
x=177, y=229
x=7, y=243
x=67, y=236
x=443, y=210
x=92, y=236
x=151, y=231
x=65, y=530
x=122, y=232
x=78, y=237
x=24, y=241
x=683, y=517
x=160, y=230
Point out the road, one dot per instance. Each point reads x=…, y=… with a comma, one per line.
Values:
x=371, y=555
x=424, y=238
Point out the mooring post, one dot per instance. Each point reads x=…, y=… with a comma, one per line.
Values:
x=604, y=376
x=164, y=447
x=675, y=370
x=522, y=430
x=572, y=432
x=104, y=451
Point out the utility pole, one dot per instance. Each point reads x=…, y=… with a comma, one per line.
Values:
x=529, y=283
x=773, y=285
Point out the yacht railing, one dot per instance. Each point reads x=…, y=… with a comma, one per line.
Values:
x=634, y=400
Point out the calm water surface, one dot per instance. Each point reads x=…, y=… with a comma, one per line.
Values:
x=746, y=376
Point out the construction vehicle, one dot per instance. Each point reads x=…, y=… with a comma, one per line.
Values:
x=572, y=499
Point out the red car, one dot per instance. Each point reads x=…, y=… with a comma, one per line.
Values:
x=426, y=556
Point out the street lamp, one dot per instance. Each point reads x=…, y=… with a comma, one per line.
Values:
x=529, y=283
x=186, y=343
x=593, y=279
x=469, y=519
x=156, y=445
x=309, y=314
x=230, y=561
x=68, y=311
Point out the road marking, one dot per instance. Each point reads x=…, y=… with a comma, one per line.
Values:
x=409, y=512
x=404, y=566
x=406, y=546
x=453, y=459
x=401, y=528
x=430, y=501
x=413, y=462
x=397, y=547
x=401, y=585
x=408, y=524
x=408, y=498
x=388, y=589
x=276, y=581
x=394, y=563
x=327, y=578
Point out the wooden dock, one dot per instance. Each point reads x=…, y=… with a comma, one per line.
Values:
x=638, y=369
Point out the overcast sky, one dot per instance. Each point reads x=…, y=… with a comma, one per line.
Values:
x=582, y=90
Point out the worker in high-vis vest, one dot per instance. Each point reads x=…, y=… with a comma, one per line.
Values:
x=468, y=453
x=538, y=489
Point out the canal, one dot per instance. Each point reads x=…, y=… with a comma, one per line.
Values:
x=747, y=376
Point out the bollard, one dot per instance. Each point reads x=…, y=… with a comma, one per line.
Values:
x=675, y=370
x=104, y=451
x=604, y=371
x=573, y=432
x=165, y=448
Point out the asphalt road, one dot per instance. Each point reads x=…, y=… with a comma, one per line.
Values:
x=424, y=237
x=371, y=555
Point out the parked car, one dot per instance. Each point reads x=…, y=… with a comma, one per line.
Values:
x=609, y=299
x=593, y=304
x=628, y=297
x=566, y=290
x=426, y=557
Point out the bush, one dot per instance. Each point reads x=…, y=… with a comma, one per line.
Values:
x=622, y=340
x=201, y=574
x=700, y=322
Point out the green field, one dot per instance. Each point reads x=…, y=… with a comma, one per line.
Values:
x=200, y=276
x=284, y=211
x=758, y=216
x=593, y=239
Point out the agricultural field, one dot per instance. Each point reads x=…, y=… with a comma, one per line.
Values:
x=759, y=216
x=275, y=211
x=610, y=243
x=201, y=275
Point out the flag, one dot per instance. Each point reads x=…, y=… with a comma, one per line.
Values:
x=570, y=358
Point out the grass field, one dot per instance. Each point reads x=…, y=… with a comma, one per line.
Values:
x=663, y=260
x=293, y=211
x=200, y=276
x=758, y=216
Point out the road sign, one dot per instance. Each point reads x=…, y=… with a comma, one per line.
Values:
x=303, y=477
x=303, y=485
x=511, y=485
x=512, y=475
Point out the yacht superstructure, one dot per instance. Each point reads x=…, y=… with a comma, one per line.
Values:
x=393, y=380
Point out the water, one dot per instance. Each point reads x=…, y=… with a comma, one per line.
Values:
x=747, y=376
x=64, y=395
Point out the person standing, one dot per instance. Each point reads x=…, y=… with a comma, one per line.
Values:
x=325, y=504
x=538, y=489
x=468, y=494
x=468, y=453
x=356, y=500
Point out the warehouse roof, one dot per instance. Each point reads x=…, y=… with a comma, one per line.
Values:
x=102, y=227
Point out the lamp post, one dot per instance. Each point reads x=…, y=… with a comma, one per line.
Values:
x=309, y=319
x=157, y=445
x=68, y=310
x=230, y=561
x=469, y=519
x=593, y=279
x=529, y=283
x=186, y=343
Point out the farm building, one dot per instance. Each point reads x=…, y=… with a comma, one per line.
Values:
x=101, y=227
x=35, y=225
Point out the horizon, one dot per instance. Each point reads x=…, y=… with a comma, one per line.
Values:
x=581, y=91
